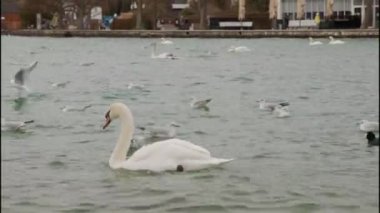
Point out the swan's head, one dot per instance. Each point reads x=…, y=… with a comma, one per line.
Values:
x=116, y=109
x=331, y=38
x=310, y=39
x=362, y=122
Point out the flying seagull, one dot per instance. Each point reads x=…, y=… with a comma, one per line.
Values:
x=23, y=75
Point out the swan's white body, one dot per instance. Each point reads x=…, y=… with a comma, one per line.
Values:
x=164, y=55
x=281, y=111
x=239, y=49
x=164, y=41
x=333, y=41
x=312, y=42
x=165, y=155
x=369, y=126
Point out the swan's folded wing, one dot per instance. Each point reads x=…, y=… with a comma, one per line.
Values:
x=170, y=149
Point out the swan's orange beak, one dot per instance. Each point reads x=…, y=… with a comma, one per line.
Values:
x=108, y=120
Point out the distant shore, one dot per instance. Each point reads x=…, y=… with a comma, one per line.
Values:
x=339, y=33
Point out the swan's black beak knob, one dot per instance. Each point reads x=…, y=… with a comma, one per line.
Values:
x=108, y=120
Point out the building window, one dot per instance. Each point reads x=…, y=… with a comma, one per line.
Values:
x=357, y=2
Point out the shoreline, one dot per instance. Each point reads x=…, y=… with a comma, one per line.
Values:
x=297, y=33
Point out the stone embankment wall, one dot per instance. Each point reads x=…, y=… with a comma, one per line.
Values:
x=352, y=33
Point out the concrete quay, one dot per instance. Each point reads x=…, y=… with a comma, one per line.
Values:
x=297, y=33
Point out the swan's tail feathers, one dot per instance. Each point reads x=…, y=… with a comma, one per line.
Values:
x=218, y=161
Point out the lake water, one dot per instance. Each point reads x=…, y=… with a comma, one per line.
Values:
x=316, y=160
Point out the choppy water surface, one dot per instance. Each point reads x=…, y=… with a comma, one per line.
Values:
x=314, y=161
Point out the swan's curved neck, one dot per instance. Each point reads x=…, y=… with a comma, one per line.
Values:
x=119, y=153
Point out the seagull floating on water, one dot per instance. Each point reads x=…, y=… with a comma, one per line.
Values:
x=264, y=105
x=165, y=41
x=281, y=111
x=163, y=132
x=334, y=41
x=369, y=126
x=199, y=104
x=164, y=55
x=74, y=109
x=60, y=85
x=372, y=140
x=13, y=125
x=22, y=76
x=313, y=42
x=239, y=49
x=132, y=85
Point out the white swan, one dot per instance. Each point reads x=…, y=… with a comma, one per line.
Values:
x=167, y=155
x=369, y=126
x=161, y=55
x=312, y=42
x=165, y=41
x=333, y=41
x=239, y=49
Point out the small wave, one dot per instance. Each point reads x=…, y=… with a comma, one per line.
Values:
x=243, y=79
x=56, y=164
x=199, y=208
x=175, y=200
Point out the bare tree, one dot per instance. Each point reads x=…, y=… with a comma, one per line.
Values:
x=202, y=4
x=139, y=14
x=367, y=14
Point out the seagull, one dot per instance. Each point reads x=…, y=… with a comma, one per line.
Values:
x=22, y=76
x=164, y=55
x=333, y=41
x=160, y=132
x=13, y=125
x=312, y=42
x=239, y=49
x=132, y=85
x=60, y=85
x=73, y=109
x=264, y=105
x=372, y=140
x=369, y=126
x=165, y=41
x=199, y=104
x=281, y=111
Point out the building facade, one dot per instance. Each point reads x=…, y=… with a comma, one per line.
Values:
x=343, y=9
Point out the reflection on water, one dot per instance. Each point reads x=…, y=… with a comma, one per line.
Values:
x=316, y=160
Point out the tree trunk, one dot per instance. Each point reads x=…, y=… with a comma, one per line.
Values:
x=203, y=14
x=154, y=14
x=139, y=15
x=367, y=14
